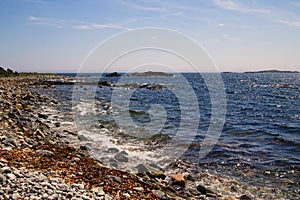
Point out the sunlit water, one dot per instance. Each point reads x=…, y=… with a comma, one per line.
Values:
x=260, y=141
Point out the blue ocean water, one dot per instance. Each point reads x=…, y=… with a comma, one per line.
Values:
x=260, y=140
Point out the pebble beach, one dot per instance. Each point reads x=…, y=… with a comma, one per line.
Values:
x=41, y=157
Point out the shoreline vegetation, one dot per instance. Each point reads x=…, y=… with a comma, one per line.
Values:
x=42, y=158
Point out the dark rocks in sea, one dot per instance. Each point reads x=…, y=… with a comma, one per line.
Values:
x=113, y=74
x=158, y=138
x=121, y=157
x=105, y=83
x=152, y=87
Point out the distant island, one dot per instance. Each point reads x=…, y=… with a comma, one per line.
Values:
x=149, y=73
x=273, y=71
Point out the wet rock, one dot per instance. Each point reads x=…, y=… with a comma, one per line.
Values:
x=113, y=150
x=121, y=157
x=105, y=83
x=152, y=87
x=142, y=168
x=158, y=138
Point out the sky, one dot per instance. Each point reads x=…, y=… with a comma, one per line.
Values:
x=238, y=35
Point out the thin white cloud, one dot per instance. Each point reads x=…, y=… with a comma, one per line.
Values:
x=144, y=7
x=45, y=21
x=232, y=5
x=79, y=25
x=82, y=27
x=295, y=23
x=221, y=24
x=109, y=26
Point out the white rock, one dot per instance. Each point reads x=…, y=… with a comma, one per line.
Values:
x=11, y=176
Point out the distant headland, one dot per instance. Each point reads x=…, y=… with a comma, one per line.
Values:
x=272, y=71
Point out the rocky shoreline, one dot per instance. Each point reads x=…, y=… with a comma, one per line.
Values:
x=41, y=157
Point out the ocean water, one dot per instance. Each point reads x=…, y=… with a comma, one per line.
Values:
x=259, y=142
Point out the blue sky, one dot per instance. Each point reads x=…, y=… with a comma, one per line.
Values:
x=239, y=35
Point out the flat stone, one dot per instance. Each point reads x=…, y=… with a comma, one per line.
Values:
x=44, y=153
x=138, y=189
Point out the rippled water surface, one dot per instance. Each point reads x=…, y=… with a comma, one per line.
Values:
x=260, y=141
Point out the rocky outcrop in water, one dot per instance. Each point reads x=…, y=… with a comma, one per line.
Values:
x=113, y=74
